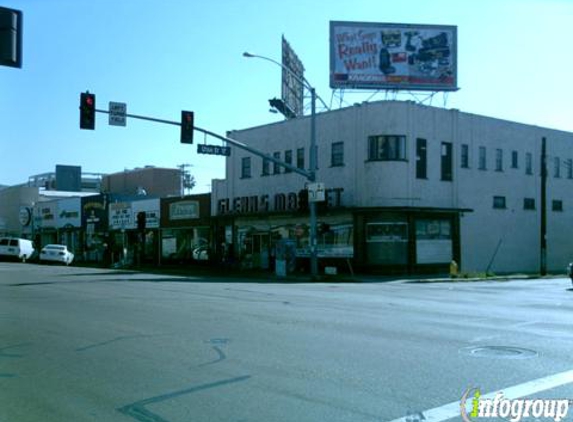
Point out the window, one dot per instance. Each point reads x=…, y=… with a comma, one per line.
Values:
x=337, y=154
x=514, y=160
x=387, y=148
x=499, y=202
x=245, y=167
x=557, y=167
x=528, y=203
x=266, y=167
x=276, y=167
x=528, y=163
x=482, y=159
x=498, y=159
x=447, y=161
x=465, y=156
x=288, y=160
x=557, y=205
x=421, y=159
x=300, y=158
x=569, y=165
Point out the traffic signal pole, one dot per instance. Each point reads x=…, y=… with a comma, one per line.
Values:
x=231, y=141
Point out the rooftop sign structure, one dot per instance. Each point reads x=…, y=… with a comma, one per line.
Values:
x=393, y=56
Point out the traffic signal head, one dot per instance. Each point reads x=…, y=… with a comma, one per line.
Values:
x=303, y=200
x=187, y=118
x=282, y=107
x=10, y=37
x=141, y=220
x=87, y=111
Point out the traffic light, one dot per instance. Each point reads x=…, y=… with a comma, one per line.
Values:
x=141, y=221
x=87, y=110
x=10, y=37
x=187, y=118
x=282, y=107
x=303, y=200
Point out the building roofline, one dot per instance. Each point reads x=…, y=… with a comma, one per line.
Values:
x=397, y=102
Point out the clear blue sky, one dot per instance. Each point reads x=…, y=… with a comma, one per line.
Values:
x=515, y=62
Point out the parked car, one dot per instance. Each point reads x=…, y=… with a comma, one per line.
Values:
x=16, y=248
x=56, y=253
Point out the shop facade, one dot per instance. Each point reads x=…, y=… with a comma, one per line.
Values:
x=97, y=242
x=410, y=188
x=186, y=233
x=69, y=225
x=131, y=244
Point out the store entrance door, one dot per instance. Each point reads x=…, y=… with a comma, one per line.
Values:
x=261, y=250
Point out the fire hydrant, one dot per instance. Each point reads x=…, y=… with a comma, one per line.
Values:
x=453, y=269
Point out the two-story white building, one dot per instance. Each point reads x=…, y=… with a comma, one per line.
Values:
x=409, y=188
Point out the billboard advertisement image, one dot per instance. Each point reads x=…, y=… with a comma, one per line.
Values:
x=393, y=56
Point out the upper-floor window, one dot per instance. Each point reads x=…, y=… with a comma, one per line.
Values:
x=387, y=148
x=300, y=158
x=288, y=160
x=276, y=167
x=569, y=165
x=514, y=160
x=421, y=159
x=499, y=202
x=557, y=167
x=528, y=163
x=465, y=162
x=245, y=167
x=498, y=159
x=337, y=154
x=266, y=167
x=557, y=205
x=528, y=203
x=482, y=165
x=447, y=161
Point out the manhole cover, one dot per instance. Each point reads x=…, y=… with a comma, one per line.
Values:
x=499, y=352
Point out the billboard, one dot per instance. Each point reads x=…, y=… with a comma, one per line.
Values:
x=292, y=76
x=393, y=56
x=68, y=178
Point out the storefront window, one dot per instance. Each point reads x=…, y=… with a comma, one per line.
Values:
x=433, y=241
x=257, y=247
x=186, y=245
x=387, y=243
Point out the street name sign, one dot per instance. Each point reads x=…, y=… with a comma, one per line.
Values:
x=117, y=112
x=213, y=150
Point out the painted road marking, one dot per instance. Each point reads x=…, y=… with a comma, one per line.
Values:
x=452, y=410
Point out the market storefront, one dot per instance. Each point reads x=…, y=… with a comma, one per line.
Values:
x=252, y=232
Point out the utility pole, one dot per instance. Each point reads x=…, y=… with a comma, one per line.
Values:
x=543, y=233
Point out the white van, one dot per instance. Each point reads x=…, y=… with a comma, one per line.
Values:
x=13, y=247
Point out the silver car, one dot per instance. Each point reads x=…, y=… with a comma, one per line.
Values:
x=56, y=253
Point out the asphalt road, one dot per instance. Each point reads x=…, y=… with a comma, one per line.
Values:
x=81, y=344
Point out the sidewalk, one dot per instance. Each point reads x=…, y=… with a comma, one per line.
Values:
x=265, y=275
